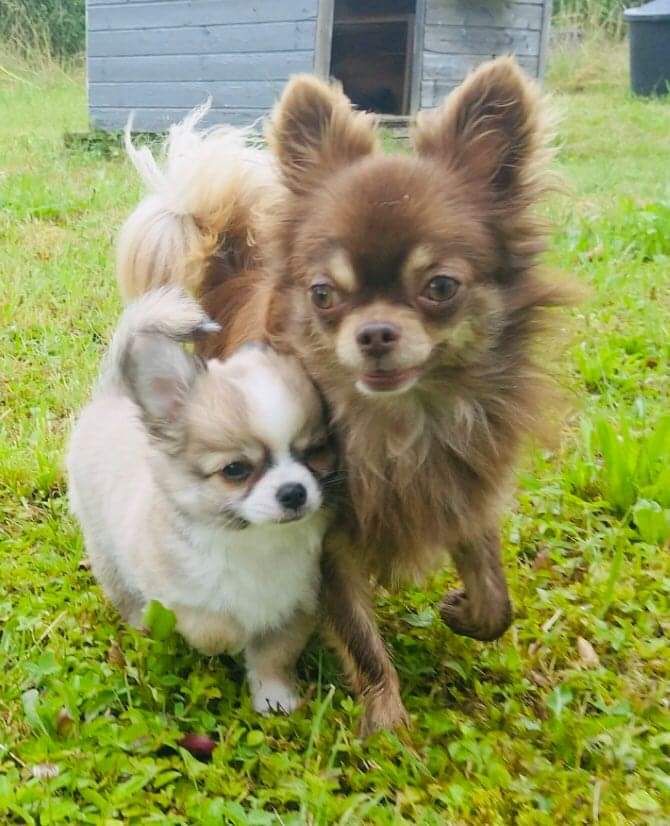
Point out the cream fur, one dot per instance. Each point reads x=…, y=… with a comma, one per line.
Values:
x=150, y=535
x=206, y=177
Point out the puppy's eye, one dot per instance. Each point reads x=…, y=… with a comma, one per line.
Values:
x=237, y=471
x=441, y=288
x=324, y=296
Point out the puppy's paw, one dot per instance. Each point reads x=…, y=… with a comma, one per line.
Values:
x=383, y=712
x=457, y=614
x=274, y=695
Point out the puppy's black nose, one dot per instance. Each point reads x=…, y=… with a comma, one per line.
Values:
x=292, y=495
x=377, y=339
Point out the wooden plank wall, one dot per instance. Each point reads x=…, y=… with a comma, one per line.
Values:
x=163, y=57
x=461, y=34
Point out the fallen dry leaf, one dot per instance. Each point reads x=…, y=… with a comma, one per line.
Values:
x=587, y=653
x=542, y=561
x=64, y=722
x=553, y=619
x=595, y=252
x=539, y=679
x=533, y=648
x=115, y=655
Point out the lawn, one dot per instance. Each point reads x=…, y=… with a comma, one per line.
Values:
x=565, y=720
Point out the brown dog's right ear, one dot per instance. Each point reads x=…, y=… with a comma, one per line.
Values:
x=314, y=130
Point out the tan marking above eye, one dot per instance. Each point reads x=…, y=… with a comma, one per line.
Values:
x=419, y=259
x=423, y=264
x=341, y=271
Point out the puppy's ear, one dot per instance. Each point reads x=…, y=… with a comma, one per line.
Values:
x=160, y=375
x=314, y=130
x=493, y=129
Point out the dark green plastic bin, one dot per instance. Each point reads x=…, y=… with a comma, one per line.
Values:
x=649, y=33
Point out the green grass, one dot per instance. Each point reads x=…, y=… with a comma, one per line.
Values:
x=39, y=28
x=563, y=721
x=605, y=15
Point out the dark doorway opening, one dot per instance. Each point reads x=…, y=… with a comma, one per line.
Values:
x=372, y=53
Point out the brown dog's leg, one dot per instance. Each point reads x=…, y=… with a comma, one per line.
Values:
x=351, y=627
x=482, y=609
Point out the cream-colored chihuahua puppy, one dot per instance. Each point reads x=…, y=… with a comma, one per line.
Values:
x=201, y=485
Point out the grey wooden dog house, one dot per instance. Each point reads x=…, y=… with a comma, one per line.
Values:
x=160, y=58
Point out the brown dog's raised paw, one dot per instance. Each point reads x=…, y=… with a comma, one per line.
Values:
x=456, y=613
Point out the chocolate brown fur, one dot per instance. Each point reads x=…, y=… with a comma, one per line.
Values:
x=430, y=468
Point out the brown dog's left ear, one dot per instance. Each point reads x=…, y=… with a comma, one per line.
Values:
x=314, y=130
x=493, y=129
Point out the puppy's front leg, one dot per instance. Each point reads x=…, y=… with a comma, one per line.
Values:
x=209, y=632
x=271, y=660
x=350, y=624
x=482, y=609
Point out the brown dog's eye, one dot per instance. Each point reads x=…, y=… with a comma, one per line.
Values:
x=317, y=451
x=323, y=296
x=441, y=288
x=320, y=458
x=237, y=471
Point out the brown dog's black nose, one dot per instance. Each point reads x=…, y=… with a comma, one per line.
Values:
x=377, y=339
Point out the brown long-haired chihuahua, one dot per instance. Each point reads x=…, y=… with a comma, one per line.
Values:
x=408, y=285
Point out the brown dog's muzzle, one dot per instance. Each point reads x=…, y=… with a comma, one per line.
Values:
x=377, y=339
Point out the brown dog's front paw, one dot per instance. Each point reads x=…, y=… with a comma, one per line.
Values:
x=457, y=614
x=383, y=711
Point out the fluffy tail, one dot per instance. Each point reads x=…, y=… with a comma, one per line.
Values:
x=167, y=311
x=209, y=185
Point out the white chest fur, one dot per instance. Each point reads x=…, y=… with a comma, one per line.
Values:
x=259, y=575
